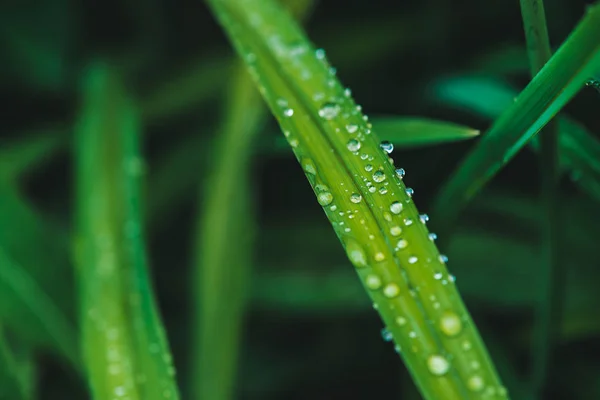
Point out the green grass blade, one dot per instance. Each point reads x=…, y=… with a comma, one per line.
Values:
x=560, y=79
x=579, y=149
x=407, y=132
x=221, y=276
x=22, y=155
x=124, y=343
x=32, y=309
x=551, y=274
x=383, y=235
x=33, y=304
x=17, y=370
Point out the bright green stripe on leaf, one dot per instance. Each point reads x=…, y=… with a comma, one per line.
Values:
x=124, y=344
x=380, y=227
x=560, y=79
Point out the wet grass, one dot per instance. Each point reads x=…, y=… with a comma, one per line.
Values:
x=226, y=190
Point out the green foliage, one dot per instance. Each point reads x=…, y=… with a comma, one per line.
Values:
x=257, y=296
x=124, y=344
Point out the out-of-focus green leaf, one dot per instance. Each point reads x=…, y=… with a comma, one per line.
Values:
x=488, y=97
x=16, y=371
x=33, y=303
x=20, y=156
x=123, y=339
x=560, y=79
x=221, y=276
x=28, y=309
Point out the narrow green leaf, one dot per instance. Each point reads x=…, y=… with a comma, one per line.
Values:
x=17, y=370
x=407, y=132
x=33, y=304
x=579, y=150
x=31, y=309
x=221, y=276
x=548, y=310
x=384, y=236
x=20, y=156
x=124, y=343
x=560, y=79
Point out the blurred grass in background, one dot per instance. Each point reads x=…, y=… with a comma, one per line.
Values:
x=309, y=330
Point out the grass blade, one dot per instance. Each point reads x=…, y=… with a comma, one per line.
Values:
x=407, y=132
x=123, y=339
x=33, y=305
x=579, y=149
x=221, y=276
x=19, y=157
x=17, y=370
x=318, y=116
x=551, y=275
x=560, y=79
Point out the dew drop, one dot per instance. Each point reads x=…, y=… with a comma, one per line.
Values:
x=412, y=259
x=387, y=216
x=450, y=324
x=386, y=335
x=351, y=128
x=438, y=365
x=355, y=198
x=324, y=198
x=368, y=168
x=288, y=112
x=379, y=256
x=386, y=146
x=353, y=145
x=329, y=111
x=383, y=190
x=372, y=189
x=466, y=345
x=395, y=230
x=408, y=221
x=355, y=253
x=347, y=92
x=412, y=334
x=400, y=173
x=475, y=383
x=432, y=236
x=396, y=207
x=309, y=166
x=400, y=321
x=391, y=290
x=424, y=218
x=373, y=282
x=379, y=176
x=409, y=192
x=437, y=276
x=320, y=54
x=397, y=349
x=443, y=258
x=402, y=244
